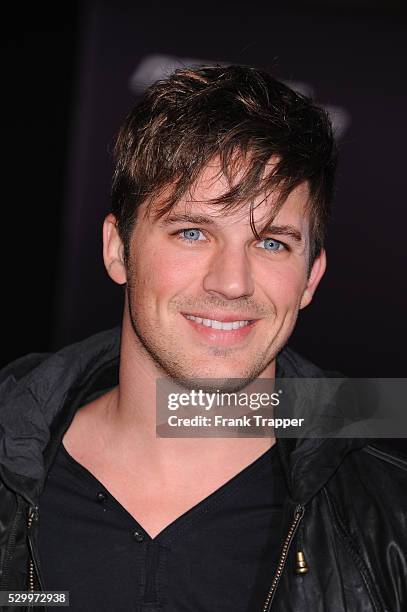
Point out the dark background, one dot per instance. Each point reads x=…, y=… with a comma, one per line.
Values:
x=66, y=84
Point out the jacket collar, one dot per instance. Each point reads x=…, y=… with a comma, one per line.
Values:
x=309, y=463
x=38, y=406
x=36, y=397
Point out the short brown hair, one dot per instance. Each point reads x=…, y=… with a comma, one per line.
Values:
x=241, y=115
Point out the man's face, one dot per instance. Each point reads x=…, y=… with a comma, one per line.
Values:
x=206, y=299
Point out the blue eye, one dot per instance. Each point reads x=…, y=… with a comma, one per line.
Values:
x=272, y=245
x=191, y=235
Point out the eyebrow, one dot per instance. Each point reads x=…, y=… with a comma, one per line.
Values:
x=278, y=230
x=185, y=218
x=282, y=230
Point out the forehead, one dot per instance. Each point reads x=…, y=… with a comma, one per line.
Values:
x=213, y=184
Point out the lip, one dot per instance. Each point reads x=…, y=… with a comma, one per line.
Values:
x=220, y=337
x=223, y=318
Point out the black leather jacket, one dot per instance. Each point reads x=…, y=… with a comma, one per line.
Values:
x=345, y=521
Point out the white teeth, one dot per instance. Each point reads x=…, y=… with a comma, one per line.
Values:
x=228, y=326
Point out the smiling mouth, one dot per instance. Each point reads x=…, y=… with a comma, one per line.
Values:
x=222, y=325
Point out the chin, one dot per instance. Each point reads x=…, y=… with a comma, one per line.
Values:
x=210, y=377
x=211, y=384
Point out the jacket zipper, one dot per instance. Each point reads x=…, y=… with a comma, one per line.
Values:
x=298, y=514
x=33, y=572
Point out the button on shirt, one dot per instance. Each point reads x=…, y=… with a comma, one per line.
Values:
x=218, y=556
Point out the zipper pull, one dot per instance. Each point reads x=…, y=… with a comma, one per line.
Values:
x=33, y=513
x=301, y=566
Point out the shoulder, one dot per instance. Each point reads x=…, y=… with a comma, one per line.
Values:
x=369, y=490
x=377, y=470
x=69, y=362
x=386, y=456
x=369, y=493
x=15, y=370
x=385, y=464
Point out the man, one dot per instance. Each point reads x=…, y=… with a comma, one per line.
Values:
x=221, y=194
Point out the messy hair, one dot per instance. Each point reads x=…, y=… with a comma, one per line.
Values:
x=267, y=138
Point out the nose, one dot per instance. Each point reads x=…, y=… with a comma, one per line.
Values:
x=229, y=274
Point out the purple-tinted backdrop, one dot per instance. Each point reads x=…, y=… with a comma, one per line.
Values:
x=354, y=64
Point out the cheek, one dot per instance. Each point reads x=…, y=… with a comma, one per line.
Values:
x=284, y=284
x=164, y=272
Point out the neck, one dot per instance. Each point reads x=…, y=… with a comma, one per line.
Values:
x=130, y=411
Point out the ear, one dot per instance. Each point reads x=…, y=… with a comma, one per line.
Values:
x=113, y=251
x=317, y=272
